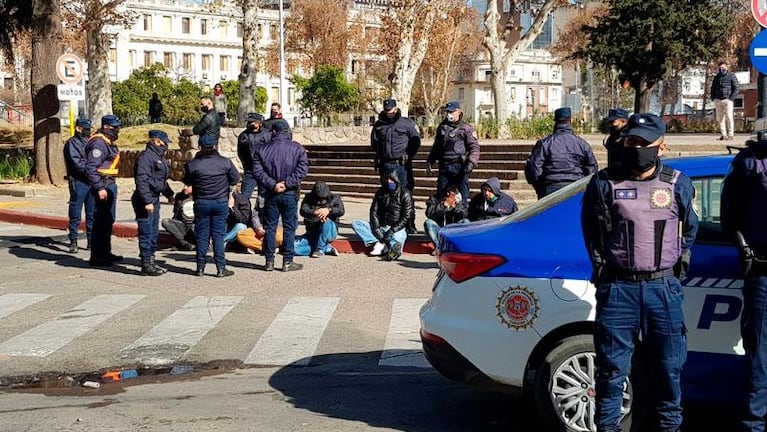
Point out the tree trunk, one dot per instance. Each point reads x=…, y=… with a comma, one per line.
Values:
x=46, y=47
x=99, y=85
x=706, y=90
x=643, y=90
x=249, y=68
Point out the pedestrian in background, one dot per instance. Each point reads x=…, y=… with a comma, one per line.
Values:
x=617, y=121
x=155, y=109
x=456, y=148
x=321, y=210
x=79, y=184
x=724, y=90
x=150, y=174
x=253, y=137
x=209, y=178
x=638, y=226
x=560, y=158
x=219, y=103
x=744, y=206
x=209, y=123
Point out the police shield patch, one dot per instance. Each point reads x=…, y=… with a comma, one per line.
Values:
x=759, y=10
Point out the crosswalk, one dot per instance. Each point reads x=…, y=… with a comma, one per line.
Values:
x=292, y=337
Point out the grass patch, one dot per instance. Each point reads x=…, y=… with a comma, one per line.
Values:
x=132, y=137
x=15, y=165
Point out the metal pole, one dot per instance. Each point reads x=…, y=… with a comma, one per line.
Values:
x=592, y=99
x=283, y=88
x=761, y=91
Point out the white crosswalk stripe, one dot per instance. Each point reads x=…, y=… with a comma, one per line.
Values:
x=10, y=303
x=52, y=335
x=295, y=333
x=173, y=337
x=403, y=343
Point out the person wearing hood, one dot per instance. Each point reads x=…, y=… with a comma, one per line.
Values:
x=321, y=210
x=181, y=225
x=390, y=212
x=253, y=137
x=744, y=205
x=395, y=141
x=639, y=225
x=210, y=178
x=279, y=167
x=442, y=209
x=102, y=164
x=209, y=123
x=456, y=148
x=79, y=190
x=617, y=121
x=150, y=172
x=560, y=158
x=491, y=202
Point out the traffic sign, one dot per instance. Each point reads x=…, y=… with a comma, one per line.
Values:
x=758, y=51
x=759, y=10
x=71, y=92
x=69, y=68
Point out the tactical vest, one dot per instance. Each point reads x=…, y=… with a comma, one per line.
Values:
x=645, y=234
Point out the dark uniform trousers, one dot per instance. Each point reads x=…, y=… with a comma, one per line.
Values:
x=452, y=172
x=148, y=226
x=753, y=329
x=79, y=195
x=103, y=219
x=282, y=205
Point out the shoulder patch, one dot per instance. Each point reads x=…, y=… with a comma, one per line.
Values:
x=96, y=153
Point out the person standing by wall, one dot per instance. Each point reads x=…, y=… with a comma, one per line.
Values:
x=79, y=184
x=209, y=123
x=219, y=103
x=155, y=109
x=724, y=90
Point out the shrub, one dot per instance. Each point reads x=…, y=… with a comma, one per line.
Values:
x=534, y=127
x=16, y=164
x=487, y=128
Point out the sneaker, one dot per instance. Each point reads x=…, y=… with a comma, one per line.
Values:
x=186, y=246
x=331, y=251
x=378, y=249
x=199, y=272
x=73, y=248
x=224, y=273
x=394, y=252
x=269, y=266
x=250, y=251
x=722, y=138
x=317, y=254
x=291, y=266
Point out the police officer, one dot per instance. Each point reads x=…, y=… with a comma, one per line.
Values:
x=457, y=150
x=744, y=205
x=151, y=177
x=395, y=140
x=638, y=225
x=617, y=121
x=248, y=141
x=560, y=158
x=79, y=190
x=102, y=166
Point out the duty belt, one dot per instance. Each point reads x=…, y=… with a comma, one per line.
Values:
x=639, y=276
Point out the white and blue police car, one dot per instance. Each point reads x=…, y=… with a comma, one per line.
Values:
x=512, y=307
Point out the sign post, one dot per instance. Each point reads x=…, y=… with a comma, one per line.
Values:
x=69, y=68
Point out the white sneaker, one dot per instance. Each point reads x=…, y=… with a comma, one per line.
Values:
x=378, y=249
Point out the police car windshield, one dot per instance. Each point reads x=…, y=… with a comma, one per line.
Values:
x=549, y=200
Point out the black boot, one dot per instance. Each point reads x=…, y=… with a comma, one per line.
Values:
x=148, y=269
x=157, y=266
x=73, y=248
x=269, y=266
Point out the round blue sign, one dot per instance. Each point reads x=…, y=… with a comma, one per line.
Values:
x=758, y=52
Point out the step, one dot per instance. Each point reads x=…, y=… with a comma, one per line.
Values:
x=373, y=180
x=420, y=156
x=368, y=190
x=425, y=148
x=510, y=165
x=418, y=172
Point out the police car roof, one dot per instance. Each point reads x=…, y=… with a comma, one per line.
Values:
x=702, y=166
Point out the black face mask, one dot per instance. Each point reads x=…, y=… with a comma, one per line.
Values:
x=112, y=134
x=203, y=108
x=639, y=159
x=85, y=133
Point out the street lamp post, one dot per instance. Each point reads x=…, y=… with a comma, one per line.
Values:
x=283, y=88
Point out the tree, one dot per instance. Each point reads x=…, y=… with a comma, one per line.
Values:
x=317, y=32
x=644, y=39
x=249, y=68
x=326, y=92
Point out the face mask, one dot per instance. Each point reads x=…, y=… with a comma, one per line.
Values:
x=252, y=127
x=112, y=134
x=451, y=117
x=391, y=186
x=639, y=159
x=493, y=199
x=85, y=133
x=722, y=71
x=203, y=108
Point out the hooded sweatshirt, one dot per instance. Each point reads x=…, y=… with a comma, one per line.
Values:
x=482, y=209
x=321, y=197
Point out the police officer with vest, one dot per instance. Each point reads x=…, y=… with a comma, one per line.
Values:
x=560, y=158
x=253, y=137
x=617, y=121
x=151, y=177
x=744, y=206
x=457, y=150
x=79, y=190
x=395, y=141
x=638, y=225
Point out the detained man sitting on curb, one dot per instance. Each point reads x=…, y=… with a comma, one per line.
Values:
x=390, y=212
x=321, y=210
x=443, y=208
x=491, y=202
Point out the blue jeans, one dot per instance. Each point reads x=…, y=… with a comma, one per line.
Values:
x=364, y=232
x=432, y=228
x=210, y=223
x=321, y=234
x=232, y=234
x=248, y=184
x=148, y=226
x=388, y=167
x=79, y=196
x=103, y=219
x=624, y=310
x=301, y=246
x=753, y=329
x=280, y=205
x=453, y=173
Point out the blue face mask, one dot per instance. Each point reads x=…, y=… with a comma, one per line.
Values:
x=391, y=186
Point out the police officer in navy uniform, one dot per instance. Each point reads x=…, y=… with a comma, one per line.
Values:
x=102, y=166
x=457, y=150
x=151, y=177
x=560, y=158
x=638, y=225
x=395, y=141
x=743, y=208
x=617, y=121
x=253, y=137
x=79, y=189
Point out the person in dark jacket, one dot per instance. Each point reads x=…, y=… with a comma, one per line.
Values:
x=155, y=109
x=240, y=215
x=102, y=164
x=724, y=90
x=744, y=205
x=210, y=123
x=151, y=177
x=560, y=158
x=395, y=141
x=442, y=209
x=181, y=225
x=275, y=113
x=390, y=212
x=210, y=177
x=456, y=148
x=491, y=202
x=617, y=121
x=253, y=137
x=79, y=185
x=280, y=166
x=321, y=210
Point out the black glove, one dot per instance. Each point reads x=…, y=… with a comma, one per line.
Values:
x=682, y=265
x=388, y=236
x=379, y=235
x=468, y=167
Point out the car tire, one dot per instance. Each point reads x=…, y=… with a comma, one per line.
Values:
x=577, y=353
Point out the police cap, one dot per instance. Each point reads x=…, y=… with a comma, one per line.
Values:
x=647, y=126
x=452, y=106
x=208, y=141
x=110, y=120
x=617, y=113
x=255, y=117
x=280, y=125
x=160, y=135
x=389, y=104
x=562, y=114
x=83, y=123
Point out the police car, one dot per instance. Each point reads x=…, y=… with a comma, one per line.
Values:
x=512, y=307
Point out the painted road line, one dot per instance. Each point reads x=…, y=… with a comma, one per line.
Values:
x=169, y=340
x=403, y=342
x=294, y=334
x=52, y=335
x=10, y=303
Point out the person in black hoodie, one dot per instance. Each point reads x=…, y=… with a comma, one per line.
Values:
x=240, y=215
x=181, y=225
x=490, y=202
x=253, y=137
x=444, y=208
x=321, y=210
